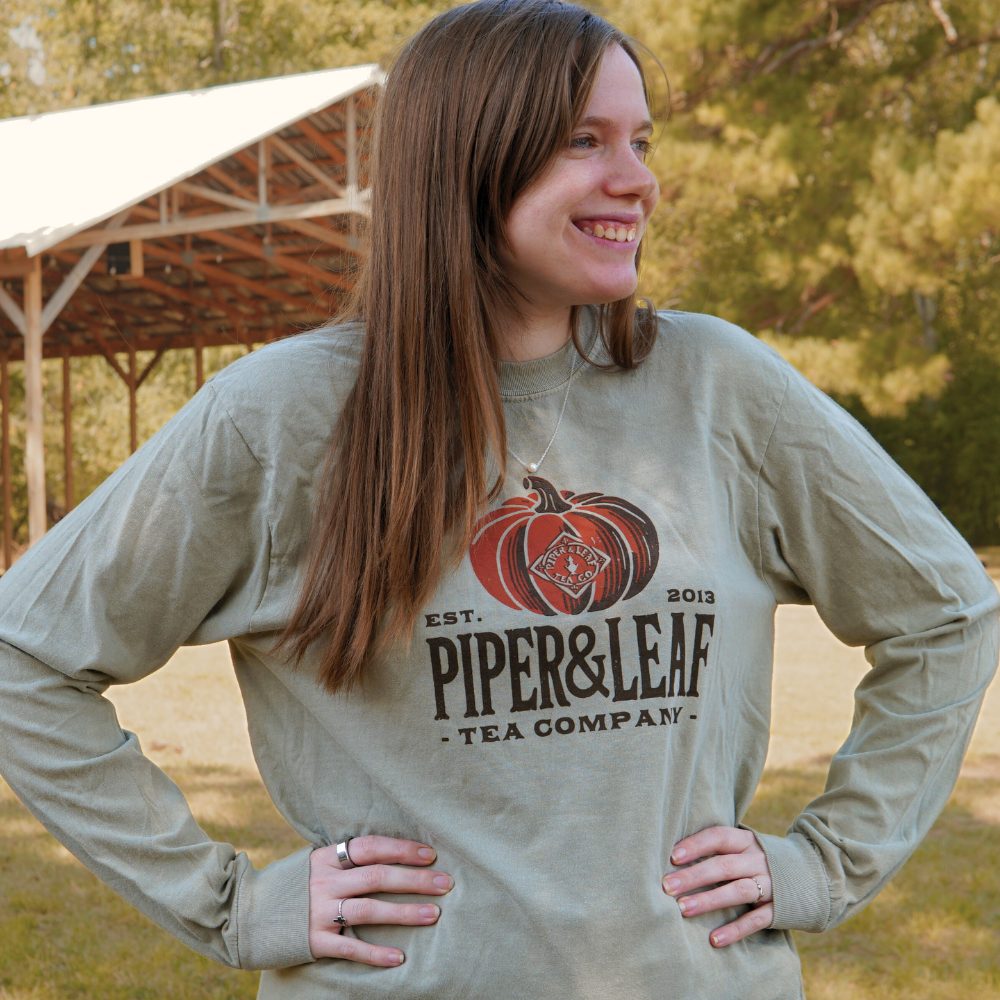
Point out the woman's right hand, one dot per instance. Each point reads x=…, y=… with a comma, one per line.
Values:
x=377, y=859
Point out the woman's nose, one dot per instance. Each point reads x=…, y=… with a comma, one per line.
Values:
x=629, y=176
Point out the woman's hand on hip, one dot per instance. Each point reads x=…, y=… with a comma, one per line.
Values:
x=733, y=858
x=335, y=891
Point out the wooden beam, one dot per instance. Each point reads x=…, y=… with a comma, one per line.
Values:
x=234, y=185
x=236, y=318
x=321, y=140
x=154, y=361
x=225, y=220
x=199, y=364
x=109, y=355
x=351, y=127
x=133, y=429
x=34, y=443
x=211, y=337
x=16, y=268
x=14, y=312
x=219, y=274
x=210, y=194
x=136, y=258
x=307, y=165
x=248, y=161
x=263, y=162
x=8, y=529
x=289, y=264
x=67, y=414
x=332, y=237
x=83, y=266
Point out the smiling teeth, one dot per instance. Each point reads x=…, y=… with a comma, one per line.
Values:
x=619, y=234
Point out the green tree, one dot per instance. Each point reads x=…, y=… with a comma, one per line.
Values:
x=829, y=174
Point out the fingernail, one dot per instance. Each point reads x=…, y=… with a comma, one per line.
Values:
x=679, y=855
x=681, y=905
x=442, y=881
x=718, y=939
x=426, y=853
x=670, y=885
x=428, y=911
x=396, y=958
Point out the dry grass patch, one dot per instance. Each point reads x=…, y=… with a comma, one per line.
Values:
x=934, y=932
x=64, y=935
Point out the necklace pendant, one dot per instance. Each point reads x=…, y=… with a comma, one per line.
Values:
x=532, y=467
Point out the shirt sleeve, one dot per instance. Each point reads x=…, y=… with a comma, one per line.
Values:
x=841, y=526
x=172, y=548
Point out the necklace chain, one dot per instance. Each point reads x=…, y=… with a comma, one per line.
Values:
x=535, y=466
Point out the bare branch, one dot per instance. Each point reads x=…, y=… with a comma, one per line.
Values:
x=809, y=45
x=811, y=310
x=942, y=15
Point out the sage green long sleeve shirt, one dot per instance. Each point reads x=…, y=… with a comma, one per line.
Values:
x=592, y=684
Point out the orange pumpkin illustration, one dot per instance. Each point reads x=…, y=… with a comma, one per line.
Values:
x=557, y=552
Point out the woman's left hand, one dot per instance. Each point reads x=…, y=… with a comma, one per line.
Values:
x=734, y=858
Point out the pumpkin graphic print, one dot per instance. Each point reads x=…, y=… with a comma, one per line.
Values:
x=556, y=552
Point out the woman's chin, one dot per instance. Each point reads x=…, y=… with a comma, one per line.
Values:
x=603, y=292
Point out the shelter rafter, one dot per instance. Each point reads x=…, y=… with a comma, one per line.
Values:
x=233, y=215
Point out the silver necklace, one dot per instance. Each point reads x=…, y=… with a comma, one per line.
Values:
x=535, y=466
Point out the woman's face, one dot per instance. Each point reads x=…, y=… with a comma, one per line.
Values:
x=575, y=231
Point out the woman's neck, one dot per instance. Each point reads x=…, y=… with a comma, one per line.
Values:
x=539, y=334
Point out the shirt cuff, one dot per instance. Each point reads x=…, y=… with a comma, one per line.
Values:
x=799, y=886
x=272, y=914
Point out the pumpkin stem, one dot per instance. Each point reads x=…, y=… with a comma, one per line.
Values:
x=549, y=500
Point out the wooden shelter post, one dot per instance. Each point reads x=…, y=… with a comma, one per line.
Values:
x=199, y=365
x=133, y=429
x=34, y=450
x=8, y=527
x=67, y=408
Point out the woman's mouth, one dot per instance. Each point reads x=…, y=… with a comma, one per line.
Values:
x=609, y=229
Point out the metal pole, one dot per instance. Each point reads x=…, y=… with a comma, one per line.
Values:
x=34, y=450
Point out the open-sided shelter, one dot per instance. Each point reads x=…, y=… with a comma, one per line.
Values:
x=217, y=216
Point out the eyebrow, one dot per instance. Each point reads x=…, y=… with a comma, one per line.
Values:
x=644, y=126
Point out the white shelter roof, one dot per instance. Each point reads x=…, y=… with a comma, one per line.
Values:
x=65, y=171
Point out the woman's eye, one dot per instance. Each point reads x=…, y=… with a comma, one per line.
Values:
x=642, y=146
x=582, y=142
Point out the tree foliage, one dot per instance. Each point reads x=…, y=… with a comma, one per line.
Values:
x=830, y=173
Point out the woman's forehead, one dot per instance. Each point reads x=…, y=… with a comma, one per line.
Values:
x=618, y=99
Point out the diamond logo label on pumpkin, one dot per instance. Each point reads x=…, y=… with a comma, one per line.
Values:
x=556, y=552
x=570, y=564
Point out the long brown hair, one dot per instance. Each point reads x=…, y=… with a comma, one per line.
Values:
x=475, y=107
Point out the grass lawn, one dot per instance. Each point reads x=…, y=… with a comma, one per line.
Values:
x=933, y=934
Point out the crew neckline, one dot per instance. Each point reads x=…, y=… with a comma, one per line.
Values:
x=545, y=375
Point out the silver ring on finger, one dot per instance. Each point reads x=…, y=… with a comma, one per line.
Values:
x=760, y=891
x=342, y=856
x=340, y=918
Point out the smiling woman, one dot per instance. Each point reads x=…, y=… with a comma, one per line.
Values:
x=573, y=234
x=555, y=688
